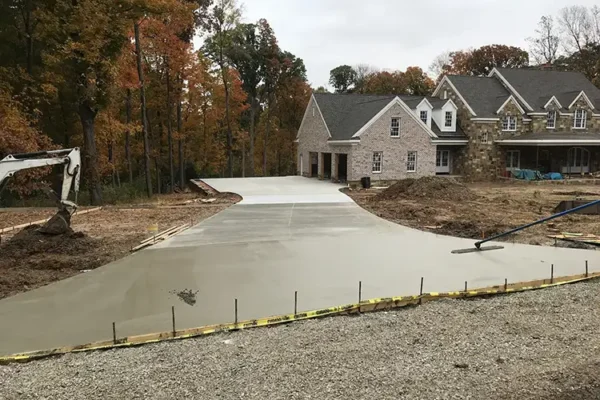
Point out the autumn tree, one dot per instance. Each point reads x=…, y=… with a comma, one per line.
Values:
x=342, y=78
x=481, y=61
x=384, y=83
x=416, y=82
x=221, y=22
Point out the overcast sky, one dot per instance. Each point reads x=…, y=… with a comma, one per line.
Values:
x=395, y=34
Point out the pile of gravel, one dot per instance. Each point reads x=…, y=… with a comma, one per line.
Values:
x=535, y=345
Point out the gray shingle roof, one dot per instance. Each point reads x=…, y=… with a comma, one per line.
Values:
x=484, y=95
x=538, y=86
x=459, y=134
x=345, y=114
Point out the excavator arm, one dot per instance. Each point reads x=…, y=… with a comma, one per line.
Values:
x=70, y=158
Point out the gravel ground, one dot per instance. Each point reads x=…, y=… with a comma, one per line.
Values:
x=535, y=345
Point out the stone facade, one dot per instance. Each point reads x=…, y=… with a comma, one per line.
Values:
x=481, y=159
x=313, y=138
x=413, y=137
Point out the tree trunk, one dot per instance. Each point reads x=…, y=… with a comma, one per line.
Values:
x=158, y=156
x=267, y=132
x=227, y=120
x=252, y=134
x=90, y=155
x=140, y=70
x=243, y=159
x=128, y=136
x=180, y=145
x=170, y=128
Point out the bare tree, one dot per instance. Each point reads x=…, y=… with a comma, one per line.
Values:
x=578, y=26
x=437, y=66
x=544, y=46
x=363, y=71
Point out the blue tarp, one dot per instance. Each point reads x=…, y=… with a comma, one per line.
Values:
x=553, y=176
x=532, y=175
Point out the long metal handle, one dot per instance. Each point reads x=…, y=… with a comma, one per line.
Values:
x=520, y=228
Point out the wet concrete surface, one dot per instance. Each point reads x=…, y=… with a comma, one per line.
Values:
x=260, y=254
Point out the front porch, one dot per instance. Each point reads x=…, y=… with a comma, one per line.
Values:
x=567, y=160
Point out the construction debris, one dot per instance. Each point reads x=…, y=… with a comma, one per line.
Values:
x=587, y=238
x=431, y=187
x=41, y=221
x=159, y=237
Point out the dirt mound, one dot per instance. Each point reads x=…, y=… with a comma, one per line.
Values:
x=430, y=187
x=30, y=241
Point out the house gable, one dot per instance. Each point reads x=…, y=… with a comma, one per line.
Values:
x=447, y=82
x=313, y=114
x=581, y=96
x=553, y=100
x=512, y=100
x=407, y=110
x=507, y=85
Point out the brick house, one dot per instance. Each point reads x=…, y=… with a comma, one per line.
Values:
x=346, y=137
x=479, y=127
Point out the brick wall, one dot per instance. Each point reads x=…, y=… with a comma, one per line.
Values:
x=312, y=137
x=413, y=137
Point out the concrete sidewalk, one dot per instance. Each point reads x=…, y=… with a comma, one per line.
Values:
x=260, y=254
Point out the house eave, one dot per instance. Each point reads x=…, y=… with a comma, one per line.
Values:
x=351, y=142
x=451, y=142
x=546, y=142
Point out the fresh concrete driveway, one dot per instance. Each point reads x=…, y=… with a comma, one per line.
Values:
x=260, y=254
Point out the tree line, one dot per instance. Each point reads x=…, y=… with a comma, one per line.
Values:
x=122, y=80
x=569, y=41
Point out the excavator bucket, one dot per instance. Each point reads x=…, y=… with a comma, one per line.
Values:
x=59, y=224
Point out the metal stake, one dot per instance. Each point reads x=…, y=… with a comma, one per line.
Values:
x=421, y=292
x=359, y=291
x=295, y=303
x=173, y=317
x=505, y=284
x=552, y=274
x=586, y=269
x=465, y=288
x=236, y=313
x=114, y=334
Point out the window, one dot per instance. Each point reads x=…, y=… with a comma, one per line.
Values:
x=423, y=116
x=551, y=120
x=411, y=161
x=580, y=119
x=484, y=138
x=395, y=127
x=377, y=162
x=448, y=119
x=513, y=159
x=445, y=94
x=509, y=123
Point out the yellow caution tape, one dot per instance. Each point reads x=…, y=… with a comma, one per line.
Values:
x=363, y=306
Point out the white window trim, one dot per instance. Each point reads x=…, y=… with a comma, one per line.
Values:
x=554, y=124
x=519, y=158
x=380, y=162
x=416, y=160
x=426, y=116
x=508, y=129
x=584, y=119
x=446, y=119
x=399, y=126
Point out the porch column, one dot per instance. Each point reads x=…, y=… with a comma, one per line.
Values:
x=321, y=165
x=335, y=162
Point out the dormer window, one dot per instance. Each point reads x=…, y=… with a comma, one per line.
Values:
x=579, y=120
x=423, y=116
x=509, y=123
x=448, y=119
x=551, y=120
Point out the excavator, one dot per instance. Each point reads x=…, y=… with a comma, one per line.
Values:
x=60, y=223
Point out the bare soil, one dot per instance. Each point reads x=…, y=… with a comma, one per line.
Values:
x=480, y=210
x=30, y=259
